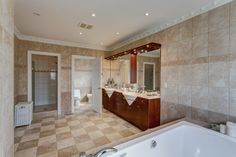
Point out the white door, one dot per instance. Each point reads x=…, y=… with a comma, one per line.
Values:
x=97, y=85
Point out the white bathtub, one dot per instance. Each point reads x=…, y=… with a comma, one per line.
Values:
x=179, y=140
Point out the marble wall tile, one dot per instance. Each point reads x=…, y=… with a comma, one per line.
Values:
x=200, y=75
x=200, y=24
x=219, y=42
x=185, y=49
x=219, y=18
x=172, y=51
x=219, y=74
x=185, y=74
x=199, y=114
x=199, y=97
x=214, y=117
x=171, y=75
x=218, y=100
x=233, y=13
x=232, y=77
x=6, y=78
x=232, y=39
x=200, y=46
x=173, y=34
x=184, y=95
x=172, y=94
x=186, y=30
x=232, y=106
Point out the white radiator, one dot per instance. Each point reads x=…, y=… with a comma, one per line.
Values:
x=23, y=113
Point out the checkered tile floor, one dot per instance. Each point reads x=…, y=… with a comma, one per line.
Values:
x=70, y=135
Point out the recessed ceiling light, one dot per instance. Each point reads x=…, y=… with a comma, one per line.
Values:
x=93, y=14
x=147, y=14
x=36, y=14
x=117, y=33
x=80, y=33
x=101, y=43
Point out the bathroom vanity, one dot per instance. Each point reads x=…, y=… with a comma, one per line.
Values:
x=140, y=110
x=133, y=72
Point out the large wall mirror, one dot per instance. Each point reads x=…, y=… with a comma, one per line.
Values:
x=137, y=66
x=149, y=68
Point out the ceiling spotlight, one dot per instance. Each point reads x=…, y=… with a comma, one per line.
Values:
x=117, y=33
x=93, y=14
x=147, y=14
x=80, y=33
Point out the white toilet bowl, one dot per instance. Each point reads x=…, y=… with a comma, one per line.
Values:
x=89, y=98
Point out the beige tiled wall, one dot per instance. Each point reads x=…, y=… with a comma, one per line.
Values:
x=198, y=66
x=6, y=78
x=66, y=54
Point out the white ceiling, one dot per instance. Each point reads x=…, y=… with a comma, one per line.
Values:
x=59, y=18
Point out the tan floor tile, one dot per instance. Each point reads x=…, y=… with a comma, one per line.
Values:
x=108, y=130
x=50, y=154
x=17, y=140
x=48, y=120
x=46, y=148
x=27, y=145
x=32, y=131
x=62, y=120
x=47, y=127
x=60, y=125
x=62, y=129
x=74, y=122
x=26, y=153
x=63, y=136
x=35, y=125
x=126, y=133
x=102, y=126
x=48, y=123
x=91, y=129
x=47, y=139
x=85, y=146
x=95, y=134
x=70, y=134
x=75, y=127
x=47, y=133
x=68, y=152
x=79, y=132
x=114, y=136
x=30, y=137
x=112, y=123
x=82, y=138
x=101, y=141
x=87, y=124
x=65, y=143
x=19, y=133
x=96, y=122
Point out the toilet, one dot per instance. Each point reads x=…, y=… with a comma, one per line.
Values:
x=90, y=98
x=76, y=98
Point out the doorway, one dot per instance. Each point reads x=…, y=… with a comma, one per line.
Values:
x=43, y=81
x=86, y=84
x=149, y=75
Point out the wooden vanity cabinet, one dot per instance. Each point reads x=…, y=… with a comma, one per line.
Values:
x=143, y=113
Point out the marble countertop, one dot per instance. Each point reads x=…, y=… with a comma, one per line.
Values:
x=132, y=95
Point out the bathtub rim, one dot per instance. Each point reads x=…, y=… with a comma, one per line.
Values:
x=132, y=140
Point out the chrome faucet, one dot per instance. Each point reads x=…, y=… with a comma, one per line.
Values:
x=99, y=153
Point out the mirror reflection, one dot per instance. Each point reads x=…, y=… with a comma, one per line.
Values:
x=149, y=70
